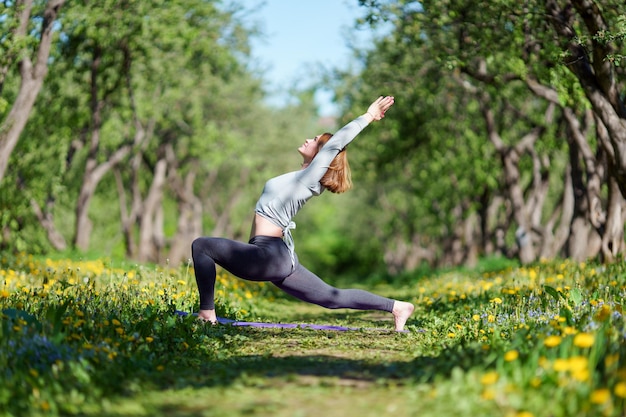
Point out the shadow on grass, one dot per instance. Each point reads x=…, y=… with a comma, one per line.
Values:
x=303, y=358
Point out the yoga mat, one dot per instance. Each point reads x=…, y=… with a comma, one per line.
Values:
x=231, y=322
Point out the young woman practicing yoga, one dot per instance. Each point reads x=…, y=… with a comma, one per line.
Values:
x=270, y=254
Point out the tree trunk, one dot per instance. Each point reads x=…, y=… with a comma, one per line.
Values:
x=586, y=182
x=32, y=76
x=189, y=222
x=613, y=225
x=46, y=220
x=557, y=229
x=400, y=255
x=613, y=237
x=150, y=227
x=127, y=218
x=93, y=175
x=470, y=232
x=94, y=172
x=510, y=157
x=491, y=225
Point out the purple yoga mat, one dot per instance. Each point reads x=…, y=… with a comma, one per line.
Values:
x=231, y=322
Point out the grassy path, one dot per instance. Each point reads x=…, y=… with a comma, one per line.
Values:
x=298, y=372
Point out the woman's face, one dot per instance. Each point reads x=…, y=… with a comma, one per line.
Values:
x=308, y=149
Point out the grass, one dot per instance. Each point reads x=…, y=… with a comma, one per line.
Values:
x=90, y=339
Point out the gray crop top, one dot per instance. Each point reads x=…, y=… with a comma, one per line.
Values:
x=284, y=196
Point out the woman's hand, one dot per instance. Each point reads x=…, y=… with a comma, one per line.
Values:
x=377, y=109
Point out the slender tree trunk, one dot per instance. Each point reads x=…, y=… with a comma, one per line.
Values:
x=557, y=228
x=400, y=255
x=189, y=222
x=94, y=173
x=613, y=225
x=149, y=223
x=32, y=76
x=189, y=210
x=46, y=219
x=492, y=225
x=613, y=237
x=470, y=232
x=510, y=157
x=127, y=217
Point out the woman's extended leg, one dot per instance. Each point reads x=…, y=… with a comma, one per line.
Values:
x=306, y=286
x=263, y=259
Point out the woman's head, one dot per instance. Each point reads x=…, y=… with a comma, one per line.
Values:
x=338, y=178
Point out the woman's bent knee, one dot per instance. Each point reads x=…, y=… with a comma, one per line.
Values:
x=198, y=245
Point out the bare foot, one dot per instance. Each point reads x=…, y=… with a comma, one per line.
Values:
x=208, y=316
x=401, y=313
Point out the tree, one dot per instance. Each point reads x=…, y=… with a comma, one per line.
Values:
x=131, y=54
x=495, y=52
x=31, y=58
x=591, y=37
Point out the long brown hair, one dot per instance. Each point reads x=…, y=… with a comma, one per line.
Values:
x=338, y=178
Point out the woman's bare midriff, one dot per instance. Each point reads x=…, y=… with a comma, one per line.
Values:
x=263, y=227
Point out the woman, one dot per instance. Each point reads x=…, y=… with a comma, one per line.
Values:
x=270, y=254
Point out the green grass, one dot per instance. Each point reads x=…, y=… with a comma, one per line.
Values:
x=86, y=338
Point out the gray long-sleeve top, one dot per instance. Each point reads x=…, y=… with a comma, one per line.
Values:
x=284, y=196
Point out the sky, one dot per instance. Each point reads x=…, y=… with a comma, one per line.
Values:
x=299, y=35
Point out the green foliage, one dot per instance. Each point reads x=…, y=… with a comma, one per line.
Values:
x=178, y=72
x=432, y=164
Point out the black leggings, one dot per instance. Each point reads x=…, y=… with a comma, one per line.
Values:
x=267, y=258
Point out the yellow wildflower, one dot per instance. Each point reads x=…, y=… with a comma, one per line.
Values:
x=578, y=363
x=620, y=389
x=552, y=341
x=511, y=355
x=600, y=396
x=580, y=375
x=584, y=340
x=489, y=378
x=561, y=365
x=569, y=330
